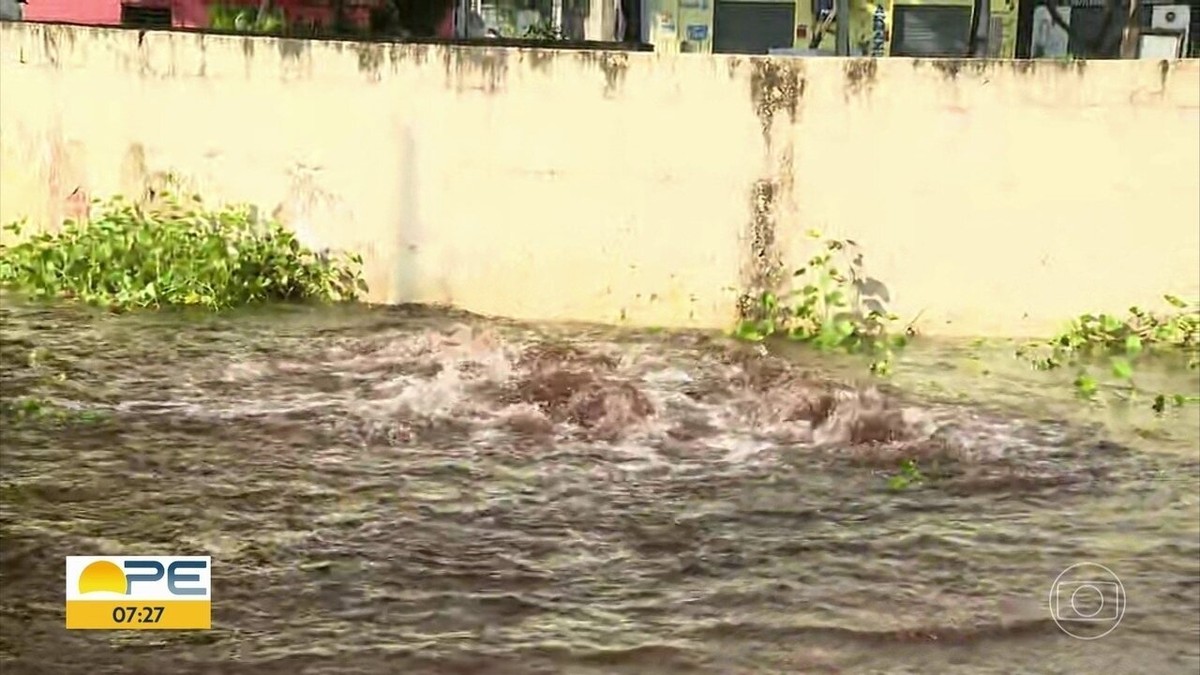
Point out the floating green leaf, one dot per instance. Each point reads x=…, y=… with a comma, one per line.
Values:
x=1121, y=368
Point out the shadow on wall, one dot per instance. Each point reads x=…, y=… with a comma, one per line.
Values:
x=409, y=230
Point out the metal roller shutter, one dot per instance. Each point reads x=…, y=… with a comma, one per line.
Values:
x=752, y=27
x=931, y=30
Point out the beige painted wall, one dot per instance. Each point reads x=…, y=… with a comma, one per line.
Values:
x=997, y=199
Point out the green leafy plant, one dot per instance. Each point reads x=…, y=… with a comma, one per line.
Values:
x=1123, y=342
x=543, y=30
x=908, y=475
x=175, y=253
x=246, y=19
x=34, y=409
x=834, y=305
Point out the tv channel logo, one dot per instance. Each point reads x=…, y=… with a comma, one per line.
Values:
x=1087, y=601
x=139, y=592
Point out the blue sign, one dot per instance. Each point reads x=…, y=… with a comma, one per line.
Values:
x=697, y=33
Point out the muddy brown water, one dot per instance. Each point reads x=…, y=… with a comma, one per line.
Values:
x=408, y=490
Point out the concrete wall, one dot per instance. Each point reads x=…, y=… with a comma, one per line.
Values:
x=991, y=198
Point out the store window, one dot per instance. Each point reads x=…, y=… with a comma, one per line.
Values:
x=141, y=16
x=931, y=30
x=553, y=19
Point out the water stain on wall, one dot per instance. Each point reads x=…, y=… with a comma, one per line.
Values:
x=416, y=54
x=291, y=48
x=52, y=38
x=951, y=69
x=309, y=210
x=538, y=58
x=859, y=75
x=144, y=186
x=370, y=58
x=66, y=180
x=614, y=65
x=476, y=68
x=776, y=86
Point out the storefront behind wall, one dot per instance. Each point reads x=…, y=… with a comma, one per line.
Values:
x=1089, y=29
x=11, y=10
x=877, y=28
x=572, y=20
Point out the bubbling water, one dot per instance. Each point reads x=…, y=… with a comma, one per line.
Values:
x=700, y=401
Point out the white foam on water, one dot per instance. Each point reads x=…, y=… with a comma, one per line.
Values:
x=725, y=407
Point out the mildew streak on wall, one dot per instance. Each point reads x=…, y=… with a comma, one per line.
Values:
x=775, y=87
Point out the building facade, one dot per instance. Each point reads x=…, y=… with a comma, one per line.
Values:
x=189, y=13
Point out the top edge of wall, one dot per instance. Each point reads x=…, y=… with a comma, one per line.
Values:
x=569, y=45
x=857, y=67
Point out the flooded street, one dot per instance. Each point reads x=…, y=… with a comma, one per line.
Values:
x=406, y=490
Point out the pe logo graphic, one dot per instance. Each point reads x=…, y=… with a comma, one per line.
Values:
x=1087, y=601
x=139, y=593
